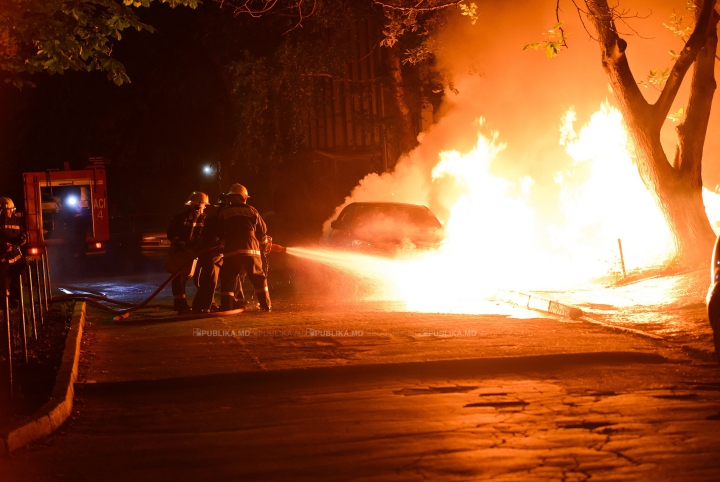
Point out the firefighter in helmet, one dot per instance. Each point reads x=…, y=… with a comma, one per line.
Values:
x=244, y=234
x=12, y=236
x=184, y=233
x=210, y=264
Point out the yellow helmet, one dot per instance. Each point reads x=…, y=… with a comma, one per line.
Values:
x=238, y=188
x=197, y=197
x=6, y=203
x=237, y=193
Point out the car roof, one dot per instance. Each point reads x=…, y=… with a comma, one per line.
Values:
x=387, y=204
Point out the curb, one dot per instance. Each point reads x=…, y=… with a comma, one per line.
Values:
x=538, y=303
x=624, y=329
x=546, y=305
x=51, y=415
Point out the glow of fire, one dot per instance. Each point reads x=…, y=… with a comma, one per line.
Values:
x=495, y=239
x=604, y=200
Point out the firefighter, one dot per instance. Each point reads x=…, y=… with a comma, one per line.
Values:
x=209, y=263
x=184, y=233
x=244, y=235
x=12, y=236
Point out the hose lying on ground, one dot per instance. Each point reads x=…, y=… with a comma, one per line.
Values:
x=95, y=298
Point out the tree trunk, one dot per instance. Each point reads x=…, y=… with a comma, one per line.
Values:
x=407, y=138
x=676, y=186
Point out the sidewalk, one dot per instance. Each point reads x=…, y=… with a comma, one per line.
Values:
x=671, y=308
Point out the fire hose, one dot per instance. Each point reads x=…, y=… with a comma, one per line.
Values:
x=96, y=298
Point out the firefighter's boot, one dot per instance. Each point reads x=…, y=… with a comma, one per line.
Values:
x=263, y=297
x=227, y=301
x=180, y=304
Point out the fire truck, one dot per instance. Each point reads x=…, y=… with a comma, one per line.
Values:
x=64, y=206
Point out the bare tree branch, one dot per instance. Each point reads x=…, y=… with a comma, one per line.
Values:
x=580, y=13
x=696, y=42
x=248, y=7
x=693, y=129
x=417, y=8
x=301, y=16
x=557, y=18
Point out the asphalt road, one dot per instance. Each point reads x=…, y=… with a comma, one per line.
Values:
x=357, y=391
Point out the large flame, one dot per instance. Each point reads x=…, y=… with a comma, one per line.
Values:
x=604, y=200
x=497, y=240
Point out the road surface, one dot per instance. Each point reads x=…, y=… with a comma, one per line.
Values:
x=364, y=391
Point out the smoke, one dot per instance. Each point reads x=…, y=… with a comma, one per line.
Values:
x=522, y=97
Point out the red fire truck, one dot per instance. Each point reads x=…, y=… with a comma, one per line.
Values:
x=53, y=198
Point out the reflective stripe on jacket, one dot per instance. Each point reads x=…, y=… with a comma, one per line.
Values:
x=241, y=227
x=12, y=231
x=187, y=227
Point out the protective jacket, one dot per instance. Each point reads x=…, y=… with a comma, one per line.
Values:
x=243, y=229
x=12, y=232
x=185, y=229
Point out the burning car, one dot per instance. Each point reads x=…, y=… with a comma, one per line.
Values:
x=386, y=227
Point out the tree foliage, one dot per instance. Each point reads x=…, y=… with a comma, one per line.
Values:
x=555, y=39
x=272, y=84
x=272, y=56
x=415, y=23
x=57, y=35
x=275, y=85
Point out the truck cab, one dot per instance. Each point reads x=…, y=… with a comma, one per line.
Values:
x=67, y=207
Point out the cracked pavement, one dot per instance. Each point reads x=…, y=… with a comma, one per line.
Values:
x=351, y=391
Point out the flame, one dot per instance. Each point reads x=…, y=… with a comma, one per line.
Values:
x=495, y=237
x=604, y=200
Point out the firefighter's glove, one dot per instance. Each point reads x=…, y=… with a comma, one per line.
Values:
x=267, y=241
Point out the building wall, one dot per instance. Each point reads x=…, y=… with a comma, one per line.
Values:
x=352, y=116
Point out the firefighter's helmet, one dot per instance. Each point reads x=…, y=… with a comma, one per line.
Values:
x=7, y=203
x=237, y=193
x=197, y=197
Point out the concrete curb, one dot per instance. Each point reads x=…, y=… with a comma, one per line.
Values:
x=538, y=303
x=624, y=329
x=51, y=415
x=534, y=302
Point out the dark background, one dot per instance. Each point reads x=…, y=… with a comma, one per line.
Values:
x=158, y=132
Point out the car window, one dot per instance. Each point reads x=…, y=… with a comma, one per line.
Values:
x=392, y=223
x=413, y=215
x=346, y=213
x=423, y=217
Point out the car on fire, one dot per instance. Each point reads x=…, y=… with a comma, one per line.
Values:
x=386, y=227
